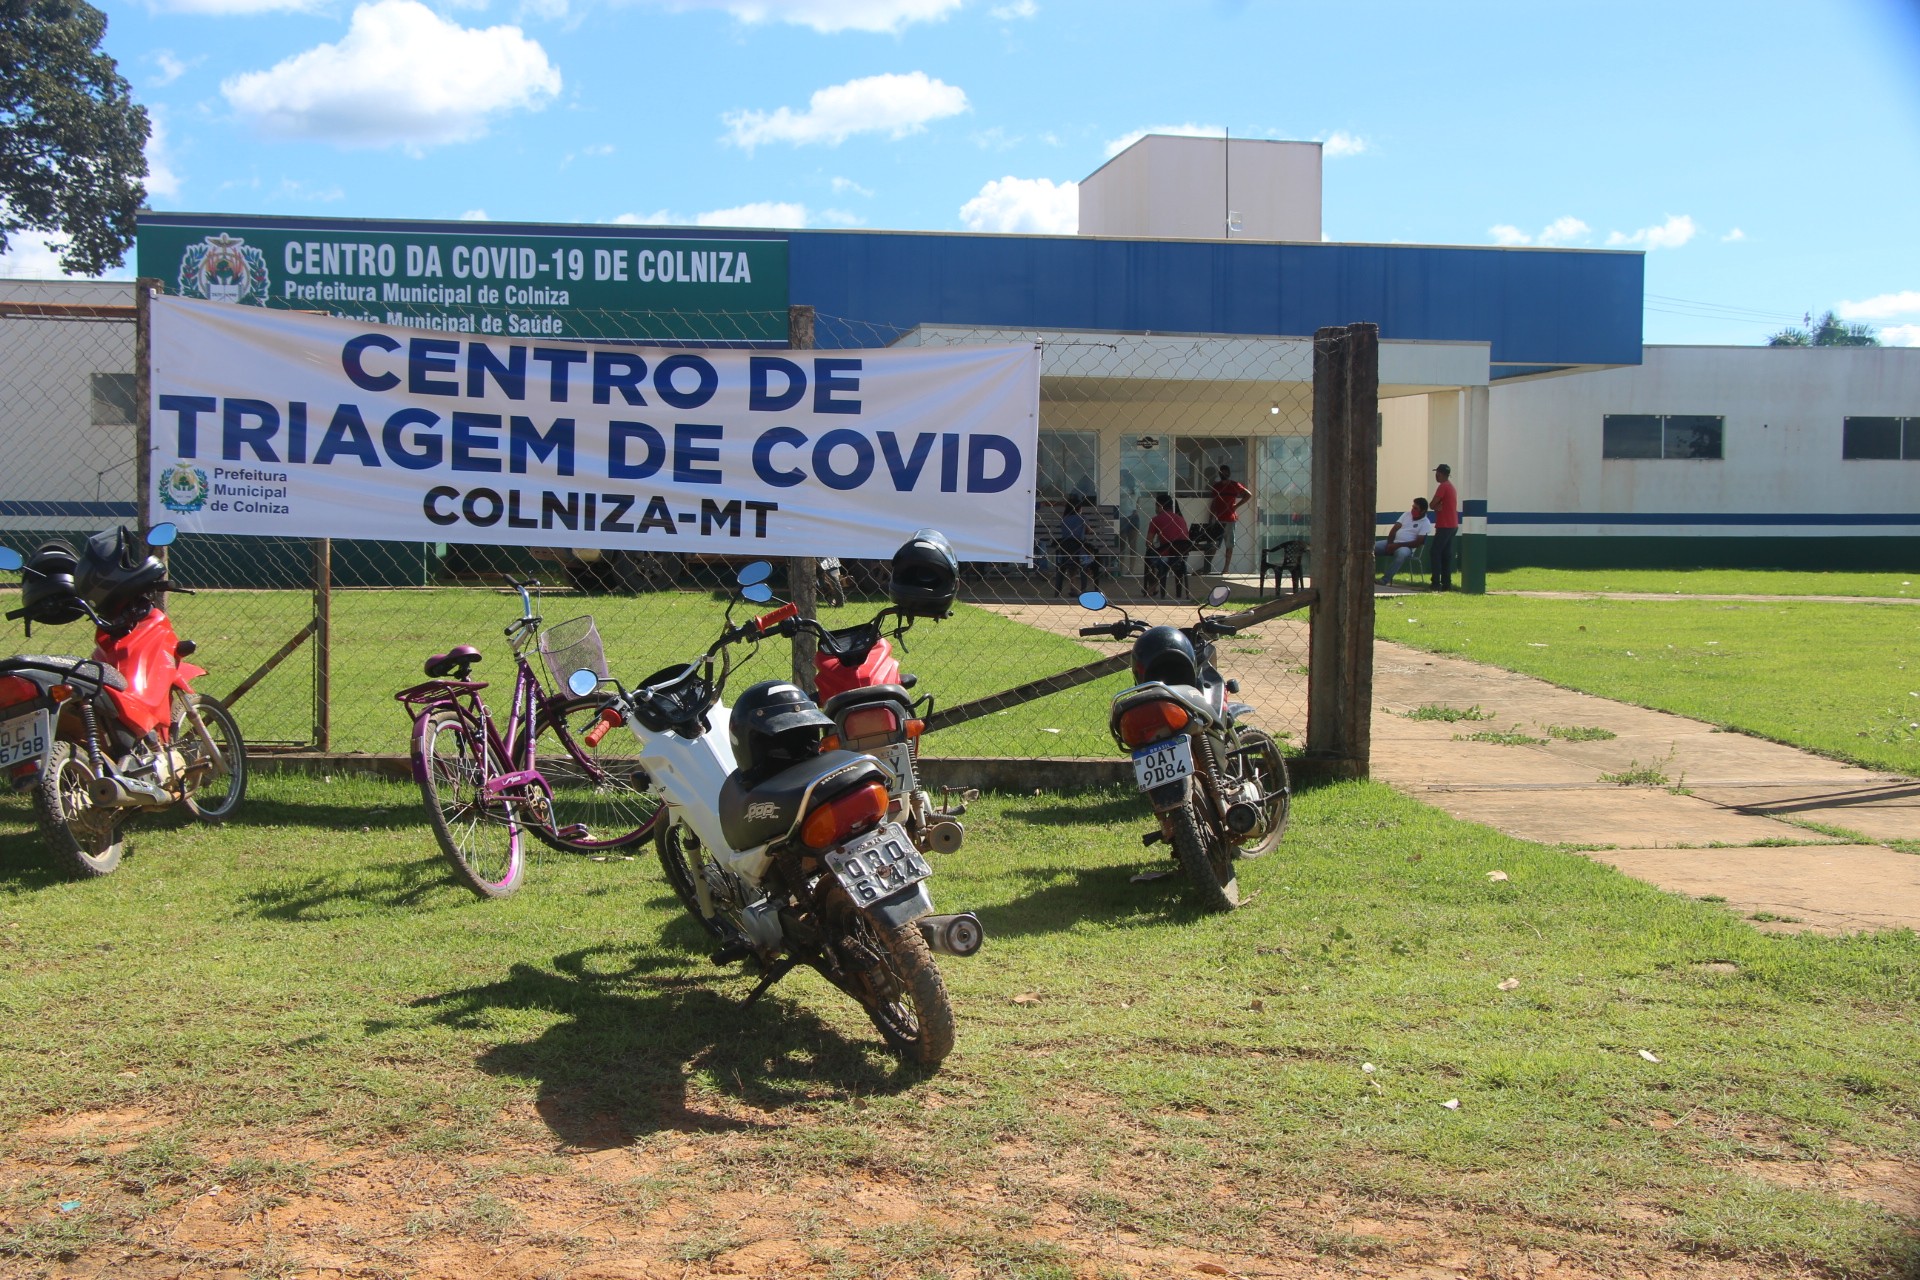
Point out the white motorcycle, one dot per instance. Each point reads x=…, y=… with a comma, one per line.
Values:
x=782, y=852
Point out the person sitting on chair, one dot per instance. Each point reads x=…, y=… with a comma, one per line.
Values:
x=1075, y=549
x=1168, y=541
x=1408, y=534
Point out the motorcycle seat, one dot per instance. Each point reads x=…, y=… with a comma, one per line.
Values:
x=81, y=671
x=454, y=662
x=872, y=693
x=751, y=814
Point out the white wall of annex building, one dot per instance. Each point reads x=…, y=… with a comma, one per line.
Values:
x=1166, y=187
x=1783, y=407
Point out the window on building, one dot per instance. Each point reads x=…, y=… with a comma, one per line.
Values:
x=1069, y=465
x=1880, y=439
x=1662, y=435
x=112, y=399
x=1198, y=460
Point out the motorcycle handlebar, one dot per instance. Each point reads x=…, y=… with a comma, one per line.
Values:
x=767, y=621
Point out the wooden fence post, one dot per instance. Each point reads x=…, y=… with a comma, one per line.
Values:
x=1346, y=394
x=802, y=571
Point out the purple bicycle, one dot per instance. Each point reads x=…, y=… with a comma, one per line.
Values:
x=482, y=783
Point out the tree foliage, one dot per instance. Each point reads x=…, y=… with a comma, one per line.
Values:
x=72, y=140
x=1828, y=331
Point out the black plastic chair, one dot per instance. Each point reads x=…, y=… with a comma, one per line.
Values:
x=1292, y=561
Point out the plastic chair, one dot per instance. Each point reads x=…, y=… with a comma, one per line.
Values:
x=1291, y=560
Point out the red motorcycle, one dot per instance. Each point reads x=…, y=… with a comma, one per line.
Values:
x=857, y=681
x=99, y=739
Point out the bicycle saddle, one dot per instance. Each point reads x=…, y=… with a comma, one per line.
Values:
x=453, y=663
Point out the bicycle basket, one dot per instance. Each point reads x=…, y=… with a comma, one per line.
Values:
x=571, y=645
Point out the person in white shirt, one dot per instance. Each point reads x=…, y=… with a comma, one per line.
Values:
x=1408, y=534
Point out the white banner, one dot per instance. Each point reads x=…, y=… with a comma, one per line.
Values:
x=276, y=423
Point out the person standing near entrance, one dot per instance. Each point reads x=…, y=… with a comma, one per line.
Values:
x=1445, y=510
x=1229, y=495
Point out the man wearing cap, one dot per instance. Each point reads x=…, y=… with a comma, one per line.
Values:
x=1445, y=510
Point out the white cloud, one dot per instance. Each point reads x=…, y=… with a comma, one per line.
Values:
x=996, y=139
x=1341, y=143
x=1900, y=335
x=1034, y=205
x=224, y=8
x=34, y=255
x=841, y=186
x=1671, y=234
x=402, y=74
x=162, y=180
x=474, y=215
x=1018, y=9
x=828, y=16
x=1125, y=140
x=1884, y=306
x=170, y=67
x=1734, y=236
x=841, y=218
x=892, y=104
x=760, y=213
x=1563, y=230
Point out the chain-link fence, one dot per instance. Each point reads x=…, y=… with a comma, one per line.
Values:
x=1166, y=464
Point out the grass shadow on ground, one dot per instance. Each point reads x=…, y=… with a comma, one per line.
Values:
x=635, y=1029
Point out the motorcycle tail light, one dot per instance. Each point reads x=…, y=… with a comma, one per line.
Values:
x=870, y=722
x=1151, y=721
x=845, y=815
x=17, y=689
x=830, y=743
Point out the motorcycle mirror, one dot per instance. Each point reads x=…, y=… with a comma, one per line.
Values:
x=162, y=535
x=1093, y=601
x=583, y=682
x=754, y=574
x=1218, y=596
x=10, y=560
x=758, y=593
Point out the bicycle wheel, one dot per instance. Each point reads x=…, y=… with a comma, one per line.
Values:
x=478, y=833
x=212, y=795
x=600, y=794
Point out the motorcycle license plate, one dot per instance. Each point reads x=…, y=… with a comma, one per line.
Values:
x=1159, y=763
x=879, y=864
x=899, y=758
x=25, y=738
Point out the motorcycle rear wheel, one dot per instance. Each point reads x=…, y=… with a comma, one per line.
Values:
x=1206, y=858
x=86, y=836
x=208, y=799
x=905, y=996
x=1263, y=763
x=479, y=835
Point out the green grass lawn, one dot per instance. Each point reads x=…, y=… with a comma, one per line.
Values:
x=1839, y=679
x=1710, y=582
x=375, y=1068
x=382, y=637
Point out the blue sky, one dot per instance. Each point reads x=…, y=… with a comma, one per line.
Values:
x=1766, y=155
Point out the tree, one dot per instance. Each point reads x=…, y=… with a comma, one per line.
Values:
x=1830, y=331
x=72, y=139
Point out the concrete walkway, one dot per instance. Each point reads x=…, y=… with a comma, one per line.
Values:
x=1724, y=822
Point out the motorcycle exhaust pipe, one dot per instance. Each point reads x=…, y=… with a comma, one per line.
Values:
x=959, y=935
x=945, y=836
x=118, y=793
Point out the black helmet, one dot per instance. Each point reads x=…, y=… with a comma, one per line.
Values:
x=926, y=576
x=47, y=592
x=1165, y=654
x=774, y=725
x=110, y=574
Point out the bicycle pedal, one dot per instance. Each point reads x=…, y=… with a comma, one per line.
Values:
x=573, y=831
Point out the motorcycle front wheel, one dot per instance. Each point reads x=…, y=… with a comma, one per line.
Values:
x=210, y=796
x=1205, y=857
x=1260, y=760
x=680, y=857
x=84, y=834
x=903, y=993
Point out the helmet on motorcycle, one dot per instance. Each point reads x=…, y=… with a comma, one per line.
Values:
x=926, y=576
x=47, y=592
x=774, y=725
x=1165, y=654
x=110, y=575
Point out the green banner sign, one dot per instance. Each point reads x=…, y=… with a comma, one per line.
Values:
x=544, y=282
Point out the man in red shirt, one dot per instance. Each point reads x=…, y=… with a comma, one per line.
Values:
x=1445, y=510
x=1229, y=495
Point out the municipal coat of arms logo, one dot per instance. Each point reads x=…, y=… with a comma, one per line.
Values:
x=183, y=488
x=225, y=268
